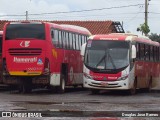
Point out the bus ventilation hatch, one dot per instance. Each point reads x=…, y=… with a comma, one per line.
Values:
x=25, y=51
x=118, y=27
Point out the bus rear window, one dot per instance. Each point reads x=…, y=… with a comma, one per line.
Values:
x=20, y=31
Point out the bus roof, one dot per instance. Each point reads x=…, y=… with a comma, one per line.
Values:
x=72, y=28
x=124, y=37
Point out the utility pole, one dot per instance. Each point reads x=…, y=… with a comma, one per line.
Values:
x=146, y=11
x=26, y=15
x=144, y=28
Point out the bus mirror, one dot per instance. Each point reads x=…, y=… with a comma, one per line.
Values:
x=133, y=51
x=83, y=50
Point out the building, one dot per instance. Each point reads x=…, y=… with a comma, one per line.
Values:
x=95, y=27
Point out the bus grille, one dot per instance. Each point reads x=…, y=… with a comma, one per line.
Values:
x=25, y=51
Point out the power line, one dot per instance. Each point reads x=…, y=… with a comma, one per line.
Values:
x=93, y=15
x=135, y=15
x=154, y=12
x=88, y=10
x=11, y=15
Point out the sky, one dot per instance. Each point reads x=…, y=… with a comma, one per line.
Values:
x=128, y=12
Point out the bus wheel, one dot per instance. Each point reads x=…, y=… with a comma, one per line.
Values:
x=75, y=86
x=132, y=91
x=82, y=86
x=25, y=86
x=61, y=88
x=95, y=91
x=149, y=86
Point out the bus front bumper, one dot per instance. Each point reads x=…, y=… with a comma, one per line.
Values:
x=106, y=85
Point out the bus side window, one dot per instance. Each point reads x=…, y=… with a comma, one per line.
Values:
x=86, y=39
x=79, y=40
x=154, y=50
x=151, y=55
x=147, y=52
x=141, y=51
x=74, y=40
x=83, y=40
x=54, y=35
x=138, y=51
x=70, y=41
x=60, y=39
x=67, y=40
x=157, y=53
x=63, y=39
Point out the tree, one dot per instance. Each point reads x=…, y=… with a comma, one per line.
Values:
x=144, y=28
x=155, y=37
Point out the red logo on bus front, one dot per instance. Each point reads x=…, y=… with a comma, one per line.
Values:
x=25, y=43
x=105, y=77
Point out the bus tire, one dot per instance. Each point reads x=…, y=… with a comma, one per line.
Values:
x=75, y=86
x=25, y=86
x=132, y=91
x=61, y=88
x=149, y=86
x=95, y=91
x=24, y=89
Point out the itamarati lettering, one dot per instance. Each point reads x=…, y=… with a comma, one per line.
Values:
x=25, y=60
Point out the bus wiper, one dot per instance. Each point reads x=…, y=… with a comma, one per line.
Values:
x=111, y=60
x=101, y=60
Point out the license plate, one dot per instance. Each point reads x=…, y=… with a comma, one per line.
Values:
x=104, y=84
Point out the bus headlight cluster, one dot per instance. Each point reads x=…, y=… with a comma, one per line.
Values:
x=87, y=76
x=123, y=77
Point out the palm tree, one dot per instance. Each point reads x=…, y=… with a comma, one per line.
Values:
x=155, y=37
x=144, y=28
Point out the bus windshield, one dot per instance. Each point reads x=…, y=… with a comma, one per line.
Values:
x=29, y=31
x=107, y=55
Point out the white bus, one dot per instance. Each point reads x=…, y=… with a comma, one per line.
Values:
x=120, y=62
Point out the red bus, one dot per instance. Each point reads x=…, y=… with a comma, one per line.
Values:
x=120, y=62
x=37, y=54
x=1, y=34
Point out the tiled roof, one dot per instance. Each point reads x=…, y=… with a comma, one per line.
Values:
x=95, y=27
x=2, y=22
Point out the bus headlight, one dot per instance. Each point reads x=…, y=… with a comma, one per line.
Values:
x=87, y=76
x=123, y=77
